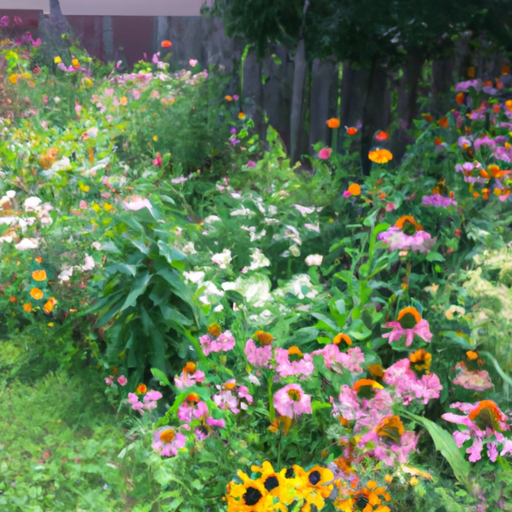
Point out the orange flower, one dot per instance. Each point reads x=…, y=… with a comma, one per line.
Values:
x=190, y=367
x=12, y=298
x=381, y=136
x=409, y=317
x=75, y=63
x=27, y=307
x=334, y=123
x=228, y=98
x=508, y=105
x=342, y=337
x=438, y=141
x=408, y=219
x=496, y=107
x=355, y=189
x=421, y=359
x=166, y=44
x=472, y=355
x=487, y=414
x=380, y=156
x=427, y=117
x=265, y=338
x=443, y=122
x=377, y=370
x=50, y=304
x=241, y=115
x=39, y=275
x=36, y=293
x=505, y=68
x=214, y=329
x=471, y=72
x=39, y=260
x=352, y=130
x=362, y=383
x=141, y=389
x=390, y=427
x=459, y=98
x=281, y=421
x=193, y=397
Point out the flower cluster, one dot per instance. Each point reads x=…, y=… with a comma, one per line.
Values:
x=407, y=235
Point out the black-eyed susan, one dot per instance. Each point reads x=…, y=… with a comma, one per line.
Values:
x=315, y=485
x=421, y=360
x=276, y=483
x=366, y=499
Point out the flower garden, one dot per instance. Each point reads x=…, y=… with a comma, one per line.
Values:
x=191, y=322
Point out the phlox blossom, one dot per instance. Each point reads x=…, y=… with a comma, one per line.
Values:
x=407, y=235
x=259, y=356
x=292, y=362
x=333, y=357
x=478, y=380
x=224, y=342
x=189, y=376
x=291, y=401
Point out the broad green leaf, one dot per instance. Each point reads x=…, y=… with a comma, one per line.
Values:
x=138, y=288
x=446, y=445
x=503, y=375
x=160, y=375
x=434, y=256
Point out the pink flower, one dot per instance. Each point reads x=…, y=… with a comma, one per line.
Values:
x=479, y=380
x=109, y=381
x=192, y=62
x=390, y=207
x=291, y=401
x=122, y=380
x=136, y=94
x=408, y=324
x=438, y=201
x=260, y=357
x=334, y=357
x=293, y=362
x=186, y=379
x=137, y=203
x=421, y=241
x=226, y=400
x=83, y=205
x=223, y=343
x=324, y=153
x=167, y=442
x=157, y=160
x=190, y=410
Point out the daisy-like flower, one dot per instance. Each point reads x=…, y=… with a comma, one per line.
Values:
x=190, y=376
x=407, y=235
x=484, y=424
x=315, y=485
x=230, y=397
x=167, y=442
x=224, y=342
x=251, y=496
x=366, y=499
x=408, y=323
x=291, y=401
x=334, y=358
x=293, y=362
x=278, y=485
x=259, y=352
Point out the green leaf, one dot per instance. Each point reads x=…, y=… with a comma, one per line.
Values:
x=138, y=288
x=160, y=375
x=503, y=375
x=446, y=445
x=434, y=256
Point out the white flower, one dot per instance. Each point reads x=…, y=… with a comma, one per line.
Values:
x=56, y=99
x=210, y=289
x=137, y=203
x=314, y=259
x=222, y=259
x=243, y=212
x=313, y=227
x=32, y=204
x=27, y=244
x=211, y=219
x=218, y=308
x=252, y=378
x=304, y=210
x=88, y=263
x=259, y=260
x=194, y=277
x=65, y=274
x=96, y=245
x=189, y=248
x=10, y=194
x=295, y=250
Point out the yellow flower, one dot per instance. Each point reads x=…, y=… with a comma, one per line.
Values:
x=83, y=187
x=315, y=486
x=75, y=63
x=57, y=60
x=124, y=100
x=380, y=156
x=13, y=78
x=155, y=137
x=108, y=206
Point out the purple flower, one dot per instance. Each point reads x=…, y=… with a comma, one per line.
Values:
x=421, y=241
x=464, y=86
x=291, y=401
x=4, y=21
x=167, y=441
x=438, y=201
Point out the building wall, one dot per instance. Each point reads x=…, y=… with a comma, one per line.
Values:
x=112, y=7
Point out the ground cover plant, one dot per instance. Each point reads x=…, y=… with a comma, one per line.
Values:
x=190, y=321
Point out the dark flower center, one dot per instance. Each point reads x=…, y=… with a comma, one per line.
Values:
x=271, y=483
x=289, y=473
x=252, y=496
x=314, y=477
x=409, y=228
x=361, y=502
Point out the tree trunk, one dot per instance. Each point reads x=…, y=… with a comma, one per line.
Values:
x=324, y=79
x=299, y=78
x=108, y=39
x=374, y=115
x=407, y=102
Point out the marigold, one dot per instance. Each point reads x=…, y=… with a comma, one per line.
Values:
x=190, y=367
x=36, y=293
x=380, y=156
x=27, y=307
x=141, y=389
x=355, y=189
x=265, y=338
x=75, y=63
x=166, y=44
x=352, y=130
x=241, y=115
x=228, y=98
x=333, y=123
x=50, y=304
x=382, y=136
x=427, y=117
x=459, y=98
x=443, y=122
x=39, y=275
